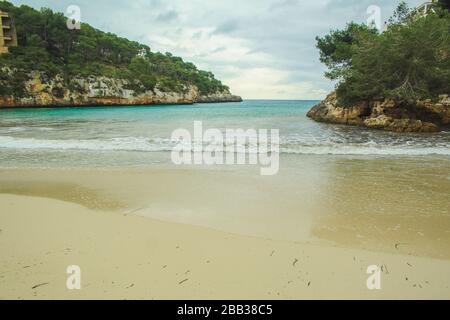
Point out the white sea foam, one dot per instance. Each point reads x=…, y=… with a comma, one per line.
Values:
x=143, y=144
x=367, y=150
x=115, y=144
x=13, y=129
x=22, y=129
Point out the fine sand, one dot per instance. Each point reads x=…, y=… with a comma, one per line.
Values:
x=109, y=223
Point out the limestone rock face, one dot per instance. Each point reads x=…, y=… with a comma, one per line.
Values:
x=223, y=96
x=440, y=109
x=329, y=111
x=386, y=114
x=400, y=125
x=41, y=91
x=379, y=122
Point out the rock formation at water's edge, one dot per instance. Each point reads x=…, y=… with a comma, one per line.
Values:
x=386, y=114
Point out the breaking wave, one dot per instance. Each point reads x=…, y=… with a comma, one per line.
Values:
x=287, y=146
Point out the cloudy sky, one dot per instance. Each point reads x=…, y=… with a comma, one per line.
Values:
x=263, y=49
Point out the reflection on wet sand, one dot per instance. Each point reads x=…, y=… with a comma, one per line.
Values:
x=396, y=205
x=64, y=191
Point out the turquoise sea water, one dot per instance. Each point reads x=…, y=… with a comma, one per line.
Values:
x=136, y=136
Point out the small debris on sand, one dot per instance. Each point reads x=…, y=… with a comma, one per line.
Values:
x=39, y=285
x=181, y=282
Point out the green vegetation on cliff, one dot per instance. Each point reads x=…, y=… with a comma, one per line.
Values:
x=47, y=45
x=410, y=60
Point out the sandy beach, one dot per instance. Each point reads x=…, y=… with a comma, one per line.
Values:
x=49, y=220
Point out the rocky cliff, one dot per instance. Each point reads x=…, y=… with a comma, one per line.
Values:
x=386, y=114
x=42, y=91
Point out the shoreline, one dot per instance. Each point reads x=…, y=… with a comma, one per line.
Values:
x=329, y=208
x=119, y=105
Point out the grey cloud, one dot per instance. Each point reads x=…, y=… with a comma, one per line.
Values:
x=219, y=49
x=227, y=27
x=167, y=16
x=282, y=4
x=197, y=35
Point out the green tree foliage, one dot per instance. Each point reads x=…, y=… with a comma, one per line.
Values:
x=47, y=45
x=401, y=14
x=408, y=61
x=338, y=48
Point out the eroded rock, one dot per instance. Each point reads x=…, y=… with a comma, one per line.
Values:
x=41, y=91
x=386, y=114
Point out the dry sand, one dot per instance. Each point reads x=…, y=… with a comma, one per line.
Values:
x=49, y=220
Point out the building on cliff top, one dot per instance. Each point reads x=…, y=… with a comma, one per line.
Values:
x=419, y=12
x=8, y=35
x=424, y=9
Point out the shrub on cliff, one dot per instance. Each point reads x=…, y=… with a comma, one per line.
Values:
x=410, y=60
x=47, y=45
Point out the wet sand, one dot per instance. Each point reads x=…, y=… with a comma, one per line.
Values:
x=183, y=233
